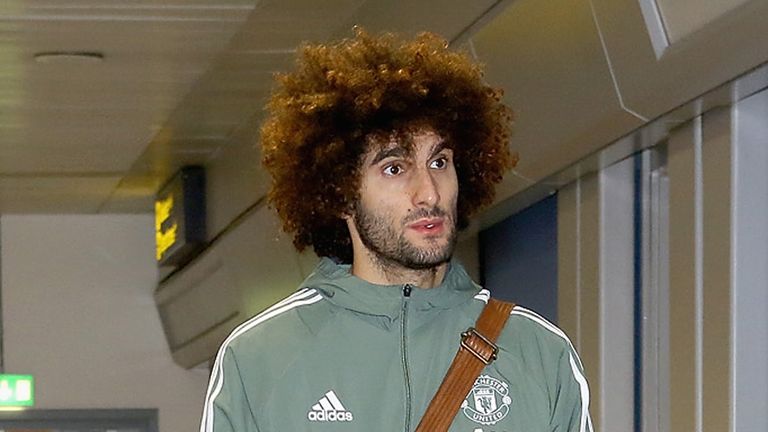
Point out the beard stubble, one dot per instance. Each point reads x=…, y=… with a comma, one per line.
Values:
x=391, y=248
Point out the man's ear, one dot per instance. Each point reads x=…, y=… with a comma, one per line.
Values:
x=348, y=218
x=347, y=213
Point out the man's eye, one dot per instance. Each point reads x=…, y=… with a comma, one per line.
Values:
x=393, y=170
x=439, y=163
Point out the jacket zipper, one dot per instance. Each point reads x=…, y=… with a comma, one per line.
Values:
x=403, y=322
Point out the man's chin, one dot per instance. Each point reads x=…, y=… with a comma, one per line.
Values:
x=427, y=264
x=422, y=258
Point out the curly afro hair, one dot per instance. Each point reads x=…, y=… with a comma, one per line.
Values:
x=322, y=116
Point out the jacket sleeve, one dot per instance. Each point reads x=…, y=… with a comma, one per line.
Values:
x=226, y=403
x=571, y=405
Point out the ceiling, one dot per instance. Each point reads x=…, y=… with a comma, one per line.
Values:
x=164, y=83
x=72, y=129
x=168, y=83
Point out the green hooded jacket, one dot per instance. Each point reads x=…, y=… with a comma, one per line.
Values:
x=342, y=354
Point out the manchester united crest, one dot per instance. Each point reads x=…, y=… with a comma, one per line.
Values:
x=488, y=401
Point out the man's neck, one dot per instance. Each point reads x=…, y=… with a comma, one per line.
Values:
x=378, y=272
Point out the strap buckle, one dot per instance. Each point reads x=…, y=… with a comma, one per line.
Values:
x=465, y=343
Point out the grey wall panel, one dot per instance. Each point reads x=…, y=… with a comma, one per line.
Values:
x=750, y=258
x=548, y=58
x=684, y=144
x=589, y=283
x=568, y=261
x=617, y=293
x=700, y=167
x=716, y=310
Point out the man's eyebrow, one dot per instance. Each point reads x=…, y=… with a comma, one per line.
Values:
x=389, y=152
x=438, y=148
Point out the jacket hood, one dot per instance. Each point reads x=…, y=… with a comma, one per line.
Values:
x=337, y=284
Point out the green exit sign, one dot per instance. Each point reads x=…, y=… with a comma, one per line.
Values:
x=17, y=390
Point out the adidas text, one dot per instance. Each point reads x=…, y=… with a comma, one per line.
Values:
x=331, y=416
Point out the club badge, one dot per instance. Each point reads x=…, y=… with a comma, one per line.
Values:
x=488, y=401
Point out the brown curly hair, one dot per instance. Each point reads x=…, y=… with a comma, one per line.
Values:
x=322, y=116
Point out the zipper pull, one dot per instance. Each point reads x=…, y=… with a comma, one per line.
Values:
x=407, y=290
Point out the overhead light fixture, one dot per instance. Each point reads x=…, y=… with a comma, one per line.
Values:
x=69, y=57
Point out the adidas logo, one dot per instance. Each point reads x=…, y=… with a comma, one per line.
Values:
x=329, y=409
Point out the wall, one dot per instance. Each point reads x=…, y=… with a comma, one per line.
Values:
x=695, y=302
x=78, y=314
x=750, y=265
x=595, y=245
x=519, y=256
x=468, y=253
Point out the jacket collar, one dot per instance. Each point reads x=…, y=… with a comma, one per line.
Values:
x=340, y=287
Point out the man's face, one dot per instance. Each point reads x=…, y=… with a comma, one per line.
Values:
x=406, y=214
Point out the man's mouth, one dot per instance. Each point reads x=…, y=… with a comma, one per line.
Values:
x=428, y=226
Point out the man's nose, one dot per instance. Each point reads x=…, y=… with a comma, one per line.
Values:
x=425, y=193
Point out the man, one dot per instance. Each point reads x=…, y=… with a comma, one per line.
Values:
x=380, y=150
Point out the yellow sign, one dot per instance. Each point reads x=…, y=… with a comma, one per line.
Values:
x=164, y=238
x=180, y=218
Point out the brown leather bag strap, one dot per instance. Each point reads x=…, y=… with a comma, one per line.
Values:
x=477, y=350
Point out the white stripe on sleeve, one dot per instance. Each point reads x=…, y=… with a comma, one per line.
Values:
x=585, y=424
x=300, y=298
x=483, y=295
